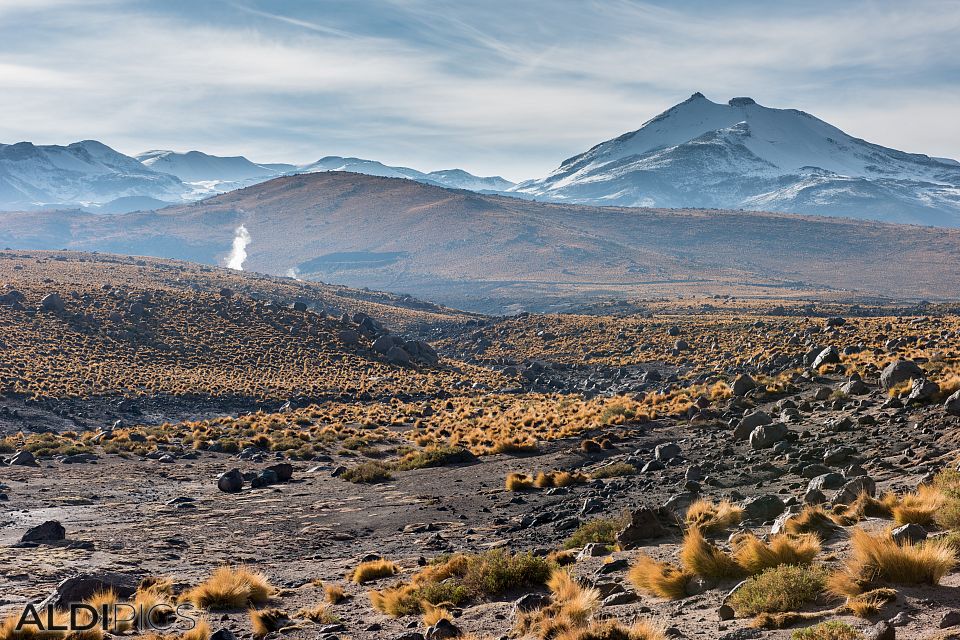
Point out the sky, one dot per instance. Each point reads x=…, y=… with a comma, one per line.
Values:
x=496, y=87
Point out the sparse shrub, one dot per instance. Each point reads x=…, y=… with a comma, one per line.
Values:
x=373, y=570
x=602, y=530
x=615, y=470
x=231, y=588
x=371, y=472
x=433, y=457
x=782, y=588
x=830, y=630
x=320, y=614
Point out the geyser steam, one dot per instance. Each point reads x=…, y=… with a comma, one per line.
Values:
x=238, y=253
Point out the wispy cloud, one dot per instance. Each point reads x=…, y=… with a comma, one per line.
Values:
x=495, y=87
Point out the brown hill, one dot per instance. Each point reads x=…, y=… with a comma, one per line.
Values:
x=485, y=252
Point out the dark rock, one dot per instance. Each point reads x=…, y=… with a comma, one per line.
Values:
x=49, y=531
x=644, y=525
x=765, y=436
x=950, y=619
x=827, y=481
x=442, y=630
x=283, y=471
x=900, y=371
x=909, y=533
x=617, y=599
x=849, y=492
x=743, y=384
x=24, y=459
x=53, y=303
x=222, y=634
x=726, y=612
x=880, y=631
x=231, y=481
x=763, y=508
x=82, y=587
x=952, y=405
x=830, y=355
x=923, y=390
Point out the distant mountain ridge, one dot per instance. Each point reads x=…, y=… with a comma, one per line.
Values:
x=90, y=174
x=741, y=155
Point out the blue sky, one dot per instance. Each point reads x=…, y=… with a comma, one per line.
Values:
x=496, y=87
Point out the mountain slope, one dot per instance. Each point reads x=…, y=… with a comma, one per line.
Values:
x=82, y=172
x=451, y=178
x=195, y=166
x=485, y=252
x=743, y=155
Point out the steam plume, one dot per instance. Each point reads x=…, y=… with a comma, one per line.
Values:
x=239, y=251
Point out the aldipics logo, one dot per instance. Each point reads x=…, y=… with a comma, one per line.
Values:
x=111, y=617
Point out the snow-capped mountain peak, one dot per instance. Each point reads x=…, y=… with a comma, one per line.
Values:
x=741, y=154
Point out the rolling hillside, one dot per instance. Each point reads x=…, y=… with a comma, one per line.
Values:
x=488, y=252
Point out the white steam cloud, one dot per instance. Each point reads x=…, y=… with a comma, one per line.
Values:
x=239, y=251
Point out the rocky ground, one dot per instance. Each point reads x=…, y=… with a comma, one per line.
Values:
x=771, y=412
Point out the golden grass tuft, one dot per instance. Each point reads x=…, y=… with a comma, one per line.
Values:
x=319, y=614
x=231, y=588
x=334, y=593
x=870, y=603
x=753, y=555
x=705, y=559
x=829, y=630
x=433, y=614
x=613, y=630
x=518, y=482
x=713, y=518
x=659, y=578
x=373, y=570
x=811, y=520
x=571, y=610
x=879, y=558
x=264, y=621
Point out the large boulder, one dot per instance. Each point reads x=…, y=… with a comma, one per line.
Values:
x=231, y=481
x=923, y=390
x=750, y=422
x=53, y=303
x=24, y=459
x=49, y=531
x=743, y=384
x=763, y=508
x=767, y=435
x=850, y=491
x=900, y=371
x=81, y=587
x=422, y=352
x=952, y=405
x=830, y=355
x=644, y=525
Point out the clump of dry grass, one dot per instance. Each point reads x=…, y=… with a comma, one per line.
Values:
x=705, y=559
x=460, y=577
x=264, y=621
x=320, y=614
x=571, y=608
x=518, y=482
x=753, y=555
x=878, y=557
x=713, y=518
x=373, y=570
x=870, y=603
x=659, y=578
x=334, y=593
x=545, y=480
x=811, y=520
x=920, y=507
x=613, y=630
x=231, y=588
x=433, y=614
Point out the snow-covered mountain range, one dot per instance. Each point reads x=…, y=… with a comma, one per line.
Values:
x=81, y=173
x=91, y=174
x=742, y=155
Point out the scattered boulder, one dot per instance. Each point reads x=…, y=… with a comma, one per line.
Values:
x=24, y=459
x=666, y=451
x=442, y=630
x=849, y=492
x=398, y=355
x=909, y=534
x=53, y=303
x=644, y=525
x=422, y=352
x=283, y=471
x=767, y=435
x=743, y=384
x=952, y=405
x=830, y=355
x=900, y=371
x=49, y=531
x=349, y=337
x=231, y=481
x=922, y=390
x=763, y=508
x=750, y=422
x=81, y=587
